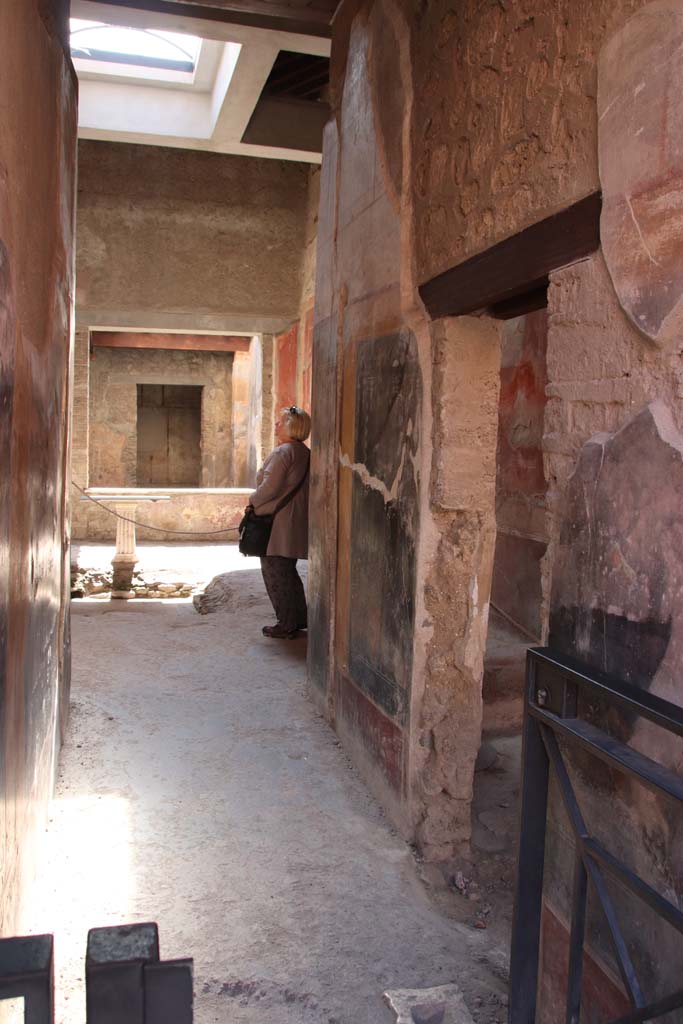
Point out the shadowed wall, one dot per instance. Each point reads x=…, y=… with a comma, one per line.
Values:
x=37, y=175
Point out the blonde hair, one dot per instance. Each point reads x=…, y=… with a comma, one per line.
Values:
x=297, y=422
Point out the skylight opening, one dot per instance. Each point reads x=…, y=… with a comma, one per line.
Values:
x=133, y=47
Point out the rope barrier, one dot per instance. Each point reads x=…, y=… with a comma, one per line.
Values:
x=146, y=526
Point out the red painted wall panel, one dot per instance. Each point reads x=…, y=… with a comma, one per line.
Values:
x=523, y=379
x=602, y=998
x=520, y=479
x=381, y=738
x=286, y=359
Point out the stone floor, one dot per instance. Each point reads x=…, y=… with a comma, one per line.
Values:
x=199, y=788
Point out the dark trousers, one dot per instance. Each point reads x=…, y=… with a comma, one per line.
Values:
x=286, y=591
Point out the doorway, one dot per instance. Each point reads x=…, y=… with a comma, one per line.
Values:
x=517, y=599
x=169, y=427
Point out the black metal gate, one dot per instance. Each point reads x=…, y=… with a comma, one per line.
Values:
x=553, y=686
x=126, y=981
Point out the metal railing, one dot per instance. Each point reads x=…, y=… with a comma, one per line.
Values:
x=553, y=685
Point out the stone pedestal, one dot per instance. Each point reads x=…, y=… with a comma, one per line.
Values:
x=124, y=503
x=126, y=557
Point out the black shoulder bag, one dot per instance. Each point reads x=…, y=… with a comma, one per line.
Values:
x=255, y=530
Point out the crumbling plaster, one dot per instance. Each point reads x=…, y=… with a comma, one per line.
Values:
x=600, y=371
x=456, y=561
x=371, y=231
x=505, y=123
x=454, y=147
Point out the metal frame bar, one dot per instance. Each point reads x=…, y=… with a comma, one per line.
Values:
x=552, y=684
x=526, y=923
x=576, y=941
x=27, y=970
x=658, y=1009
x=626, y=968
x=126, y=982
x=614, y=753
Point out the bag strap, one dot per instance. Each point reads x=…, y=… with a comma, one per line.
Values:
x=286, y=500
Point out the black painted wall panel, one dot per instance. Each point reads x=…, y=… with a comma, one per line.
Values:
x=385, y=520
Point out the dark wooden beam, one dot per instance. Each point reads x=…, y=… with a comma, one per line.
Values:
x=518, y=265
x=527, y=302
x=252, y=13
x=178, y=342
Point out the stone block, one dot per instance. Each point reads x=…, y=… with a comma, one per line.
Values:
x=577, y=352
x=587, y=391
x=462, y=481
x=466, y=357
x=444, y=1004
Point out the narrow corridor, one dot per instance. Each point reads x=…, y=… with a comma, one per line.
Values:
x=199, y=788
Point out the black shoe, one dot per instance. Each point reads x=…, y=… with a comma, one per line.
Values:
x=278, y=632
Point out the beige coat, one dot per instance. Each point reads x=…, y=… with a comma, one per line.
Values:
x=280, y=473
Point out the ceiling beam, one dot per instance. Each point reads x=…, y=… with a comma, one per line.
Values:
x=251, y=13
x=177, y=342
x=249, y=77
x=289, y=122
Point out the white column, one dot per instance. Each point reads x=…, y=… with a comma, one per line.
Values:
x=126, y=557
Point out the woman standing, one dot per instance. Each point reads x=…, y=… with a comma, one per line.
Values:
x=281, y=474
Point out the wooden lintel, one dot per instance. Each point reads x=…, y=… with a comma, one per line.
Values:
x=181, y=342
x=519, y=264
x=518, y=305
x=251, y=13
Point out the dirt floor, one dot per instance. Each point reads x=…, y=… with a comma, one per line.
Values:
x=199, y=788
